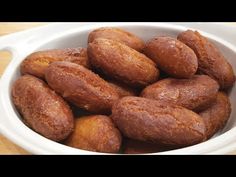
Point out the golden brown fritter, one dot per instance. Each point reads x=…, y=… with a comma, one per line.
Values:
x=36, y=63
x=122, y=62
x=210, y=59
x=216, y=116
x=149, y=120
x=95, y=133
x=41, y=108
x=172, y=56
x=118, y=35
x=196, y=93
x=81, y=86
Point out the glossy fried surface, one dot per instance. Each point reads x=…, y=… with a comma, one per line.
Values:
x=149, y=120
x=196, y=93
x=216, y=116
x=42, y=109
x=172, y=56
x=128, y=96
x=81, y=86
x=36, y=63
x=118, y=35
x=211, y=60
x=122, y=62
x=95, y=133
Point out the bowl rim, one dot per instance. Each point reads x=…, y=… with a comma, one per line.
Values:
x=20, y=134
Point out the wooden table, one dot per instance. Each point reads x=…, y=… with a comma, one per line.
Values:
x=6, y=146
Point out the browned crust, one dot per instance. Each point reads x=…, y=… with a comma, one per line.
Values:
x=148, y=120
x=172, y=56
x=122, y=89
x=216, y=116
x=118, y=35
x=95, y=133
x=197, y=93
x=210, y=59
x=81, y=86
x=42, y=109
x=122, y=63
x=140, y=147
x=36, y=63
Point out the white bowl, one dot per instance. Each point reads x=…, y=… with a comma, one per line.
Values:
x=72, y=35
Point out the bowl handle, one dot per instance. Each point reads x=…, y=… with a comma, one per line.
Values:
x=8, y=43
x=8, y=57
